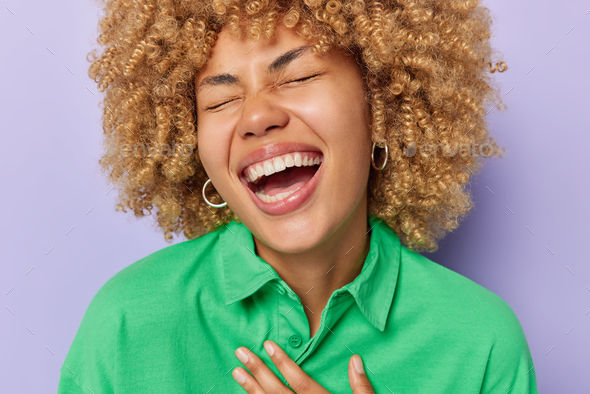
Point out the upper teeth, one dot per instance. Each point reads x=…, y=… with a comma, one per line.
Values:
x=280, y=163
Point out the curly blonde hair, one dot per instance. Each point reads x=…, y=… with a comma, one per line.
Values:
x=425, y=63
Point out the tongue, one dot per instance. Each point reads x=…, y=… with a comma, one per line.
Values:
x=288, y=180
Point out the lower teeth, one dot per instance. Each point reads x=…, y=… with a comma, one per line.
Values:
x=277, y=197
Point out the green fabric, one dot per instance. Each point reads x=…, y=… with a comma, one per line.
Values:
x=170, y=323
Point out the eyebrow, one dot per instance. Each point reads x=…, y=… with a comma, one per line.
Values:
x=277, y=65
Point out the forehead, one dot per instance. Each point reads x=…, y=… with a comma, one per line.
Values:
x=231, y=52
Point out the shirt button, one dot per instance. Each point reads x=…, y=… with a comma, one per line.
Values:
x=294, y=340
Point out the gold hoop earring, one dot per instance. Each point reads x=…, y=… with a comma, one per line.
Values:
x=373, y=157
x=207, y=201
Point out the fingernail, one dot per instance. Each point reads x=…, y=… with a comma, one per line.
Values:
x=239, y=376
x=358, y=365
x=241, y=355
x=269, y=348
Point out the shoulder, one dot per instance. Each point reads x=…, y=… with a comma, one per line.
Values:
x=151, y=289
x=482, y=328
x=456, y=300
x=155, y=277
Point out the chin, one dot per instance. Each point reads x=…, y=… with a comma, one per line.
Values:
x=293, y=235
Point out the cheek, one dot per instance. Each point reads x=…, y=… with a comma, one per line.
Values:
x=213, y=145
x=350, y=137
x=338, y=117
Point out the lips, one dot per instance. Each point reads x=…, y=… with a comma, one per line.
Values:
x=270, y=151
x=291, y=202
x=292, y=199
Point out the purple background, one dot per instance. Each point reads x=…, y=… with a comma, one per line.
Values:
x=51, y=137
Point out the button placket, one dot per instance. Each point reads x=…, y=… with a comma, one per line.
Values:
x=331, y=314
x=295, y=341
x=292, y=323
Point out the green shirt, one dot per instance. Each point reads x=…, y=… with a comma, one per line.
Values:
x=170, y=323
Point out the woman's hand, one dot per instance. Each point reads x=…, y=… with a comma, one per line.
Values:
x=265, y=381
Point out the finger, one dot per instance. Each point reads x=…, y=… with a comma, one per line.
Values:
x=299, y=381
x=265, y=378
x=247, y=381
x=359, y=382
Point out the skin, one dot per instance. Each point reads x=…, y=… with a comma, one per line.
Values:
x=329, y=111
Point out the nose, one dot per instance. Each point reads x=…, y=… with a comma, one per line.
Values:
x=260, y=115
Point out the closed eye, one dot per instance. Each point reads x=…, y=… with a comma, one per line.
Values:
x=217, y=106
x=302, y=79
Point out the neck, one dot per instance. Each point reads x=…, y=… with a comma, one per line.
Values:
x=316, y=273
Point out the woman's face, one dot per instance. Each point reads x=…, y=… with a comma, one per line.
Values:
x=263, y=108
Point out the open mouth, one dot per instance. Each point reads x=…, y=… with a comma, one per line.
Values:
x=277, y=178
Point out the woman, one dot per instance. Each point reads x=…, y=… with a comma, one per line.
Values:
x=317, y=123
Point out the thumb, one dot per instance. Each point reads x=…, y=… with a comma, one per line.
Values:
x=359, y=382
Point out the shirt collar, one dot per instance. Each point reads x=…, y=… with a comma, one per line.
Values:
x=373, y=289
